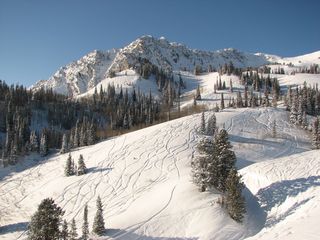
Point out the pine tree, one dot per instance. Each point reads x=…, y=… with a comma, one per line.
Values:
x=212, y=125
x=85, y=226
x=81, y=166
x=73, y=230
x=64, y=145
x=222, y=102
x=198, y=94
x=92, y=138
x=316, y=134
x=234, y=200
x=226, y=158
x=98, y=222
x=44, y=145
x=294, y=110
x=199, y=165
x=76, y=136
x=69, y=168
x=34, y=145
x=45, y=223
x=203, y=124
x=64, y=231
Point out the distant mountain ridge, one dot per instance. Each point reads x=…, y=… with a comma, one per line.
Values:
x=84, y=74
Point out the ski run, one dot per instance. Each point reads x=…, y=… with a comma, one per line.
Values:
x=144, y=181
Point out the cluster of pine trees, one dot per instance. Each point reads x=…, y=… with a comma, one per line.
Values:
x=214, y=167
x=72, y=169
x=316, y=133
x=47, y=224
x=38, y=121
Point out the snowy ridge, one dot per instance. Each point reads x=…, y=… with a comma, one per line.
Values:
x=82, y=75
x=303, y=60
x=173, y=56
x=79, y=76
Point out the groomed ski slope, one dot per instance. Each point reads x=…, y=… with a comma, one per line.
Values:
x=144, y=180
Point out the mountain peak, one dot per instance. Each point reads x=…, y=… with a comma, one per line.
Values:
x=84, y=74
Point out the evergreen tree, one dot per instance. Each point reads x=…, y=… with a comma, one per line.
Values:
x=76, y=136
x=92, y=138
x=222, y=102
x=226, y=158
x=212, y=125
x=198, y=94
x=294, y=110
x=44, y=145
x=45, y=223
x=98, y=222
x=73, y=230
x=85, y=226
x=200, y=165
x=69, y=168
x=203, y=124
x=81, y=166
x=316, y=134
x=64, y=231
x=234, y=200
x=34, y=144
x=64, y=145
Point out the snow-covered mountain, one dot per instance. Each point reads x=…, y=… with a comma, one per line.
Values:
x=83, y=75
x=80, y=76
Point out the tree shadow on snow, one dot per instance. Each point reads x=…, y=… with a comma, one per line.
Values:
x=277, y=193
x=122, y=234
x=15, y=227
x=97, y=169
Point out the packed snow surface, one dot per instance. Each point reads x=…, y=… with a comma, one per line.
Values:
x=144, y=182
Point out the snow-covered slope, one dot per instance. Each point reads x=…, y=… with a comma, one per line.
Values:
x=288, y=190
x=303, y=60
x=144, y=180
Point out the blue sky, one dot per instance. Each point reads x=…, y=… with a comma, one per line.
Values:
x=37, y=37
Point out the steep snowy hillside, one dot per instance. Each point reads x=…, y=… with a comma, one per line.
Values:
x=144, y=180
x=288, y=190
x=79, y=76
x=84, y=74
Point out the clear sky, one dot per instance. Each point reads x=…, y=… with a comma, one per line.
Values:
x=37, y=37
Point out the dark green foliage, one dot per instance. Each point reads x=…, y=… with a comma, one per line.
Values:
x=226, y=158
x=44, y=148
x=64, y=145
x=64, y=231
x=45, y=223
x=203, y=124
x=235, y=202
x=85, y=226
x=316, y=134
x=69, y=168
x=98, y=227
x=82, y=169
x=73, y=230
x=211, y=125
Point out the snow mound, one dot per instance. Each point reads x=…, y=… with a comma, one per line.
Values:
x=288, y=191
